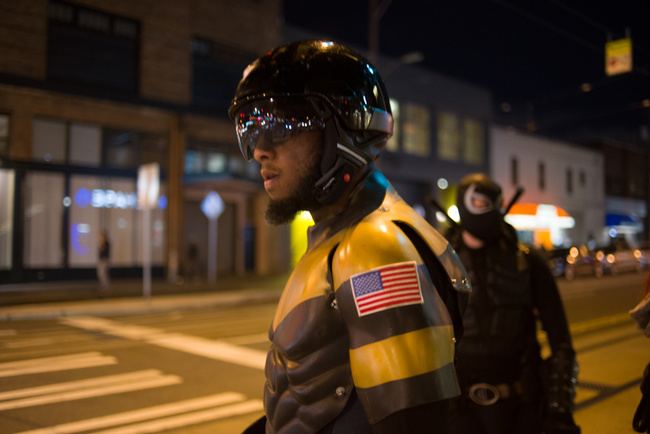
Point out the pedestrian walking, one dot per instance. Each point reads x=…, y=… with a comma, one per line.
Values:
x=103, y=263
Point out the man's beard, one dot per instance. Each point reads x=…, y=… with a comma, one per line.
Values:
x=283, y=211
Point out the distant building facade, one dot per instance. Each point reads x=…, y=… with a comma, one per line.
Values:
x=557, y=175
x=441, y=133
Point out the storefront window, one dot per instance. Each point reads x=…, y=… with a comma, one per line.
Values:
x=158, y=229
x=4, y=134
x=43, y=214
x=448, y=136
x=129, y=149
x=193, y=162
x=119, y=221
x=111, y=204
x=48, y=140
x=153, y=149
x=415, y=129
x=393, y=142
x=157, y=232
x=120, y=148
x=85, y=144
x=215, y=163
x=237, y=166
x=6, y=217
x=84, y=230
x=473, y=138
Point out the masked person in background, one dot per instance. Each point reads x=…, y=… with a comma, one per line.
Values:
x=498, y=360
x=363, y=337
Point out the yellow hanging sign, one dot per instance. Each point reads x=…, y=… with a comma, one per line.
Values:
x=618, y=56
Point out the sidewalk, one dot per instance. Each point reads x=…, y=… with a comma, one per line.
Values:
x=48, y=300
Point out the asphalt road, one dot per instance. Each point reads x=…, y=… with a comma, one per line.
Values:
x=201, y=371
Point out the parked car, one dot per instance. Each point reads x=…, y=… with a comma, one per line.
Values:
x=621, y=260
x=580, y=261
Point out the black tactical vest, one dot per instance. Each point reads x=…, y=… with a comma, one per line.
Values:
x=499, y=320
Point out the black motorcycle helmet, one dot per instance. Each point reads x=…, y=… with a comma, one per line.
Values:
x=479, y=202
x=316, y=84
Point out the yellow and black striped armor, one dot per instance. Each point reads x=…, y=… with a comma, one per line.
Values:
x=322, y=349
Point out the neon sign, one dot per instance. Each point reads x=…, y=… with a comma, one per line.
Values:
x=100, y=198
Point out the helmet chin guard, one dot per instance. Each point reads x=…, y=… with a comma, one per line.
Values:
x=343, y=163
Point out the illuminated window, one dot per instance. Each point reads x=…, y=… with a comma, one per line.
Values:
x=153, y=149
x=393, y=142
x=4, y=134
x=120, y=148
x=215, y=163
x=415, y=129
x=514, y=171
x=85, y=221
x=193, y=162
x=473, y=139
x=85, y=144
x=448, y=136
x=129, y=149
x=7, y=178
x=122, y=223
x=43, y=217
x=110, y=204
x=49, y=140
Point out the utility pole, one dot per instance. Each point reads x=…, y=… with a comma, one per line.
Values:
x=376, y=10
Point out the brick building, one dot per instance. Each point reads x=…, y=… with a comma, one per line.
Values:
x=89, y=90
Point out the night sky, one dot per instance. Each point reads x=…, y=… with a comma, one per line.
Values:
x=527, y=53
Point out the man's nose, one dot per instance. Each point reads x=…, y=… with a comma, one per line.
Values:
x=263, y=151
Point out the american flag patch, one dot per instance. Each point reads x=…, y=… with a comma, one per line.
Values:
x=386, y=287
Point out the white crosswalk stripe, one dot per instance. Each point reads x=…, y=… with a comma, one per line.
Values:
x=161, y=417
x=146, y=383
x=53, y=364
x=79, y=384
x=214, y=349
x=46, y=360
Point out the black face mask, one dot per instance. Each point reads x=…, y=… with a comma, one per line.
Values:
x=479, y=206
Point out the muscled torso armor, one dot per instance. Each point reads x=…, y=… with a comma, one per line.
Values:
x=325, y=348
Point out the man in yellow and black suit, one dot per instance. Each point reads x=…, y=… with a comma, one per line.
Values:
x=363, y=336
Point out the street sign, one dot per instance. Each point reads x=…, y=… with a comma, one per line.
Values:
x=148, y=185
x=618, y=56
x=212, y=205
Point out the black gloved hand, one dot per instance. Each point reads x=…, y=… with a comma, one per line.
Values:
x=560, y=423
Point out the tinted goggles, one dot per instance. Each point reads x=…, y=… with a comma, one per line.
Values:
x=267, y=123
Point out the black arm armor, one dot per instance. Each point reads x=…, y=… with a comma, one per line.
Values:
x=560, y=379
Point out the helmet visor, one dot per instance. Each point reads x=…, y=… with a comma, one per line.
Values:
x=269, y=123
